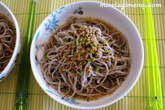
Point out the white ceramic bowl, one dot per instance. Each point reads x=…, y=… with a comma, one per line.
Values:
x=111, y=15
x=6, y=11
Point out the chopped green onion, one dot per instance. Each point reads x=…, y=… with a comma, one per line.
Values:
x=114, y=64
x=95, y=45
x=100, y=40
x=106, y=51
x=93, y=52
x=82, y=52
x=91, y=44
x=82, y=71
x=65, y=39
x=83, y=34
x=67, y=83
x=84, y=40
x=105, y=41
x=89, y=49
x=97, y=68
x=79, y=59
x=110, y=31
x=88, y=59
x=110, y=67
x=80, y=39
x=73, y=53
x=65, y=55
x=45, y=56
x=75, y=29
x=102, y=53
x=124, y=67
x=83, y=43
x=112, y=57
x=71, y=42
x=103, y=90
x=78, y=44
x=90, y=34
x=58, y=35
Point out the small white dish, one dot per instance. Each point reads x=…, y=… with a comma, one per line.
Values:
x=110, y=15
x=6, y=11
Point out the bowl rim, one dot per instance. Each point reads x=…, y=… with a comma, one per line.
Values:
x=106, y=104
x=11, y=63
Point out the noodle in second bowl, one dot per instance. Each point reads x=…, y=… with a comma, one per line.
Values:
x=7, y=41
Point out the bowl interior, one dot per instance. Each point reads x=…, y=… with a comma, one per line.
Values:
x=110, y=15
x=6, y=11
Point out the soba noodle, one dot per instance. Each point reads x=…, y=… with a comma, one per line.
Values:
x=85, y=59
x=7, y=43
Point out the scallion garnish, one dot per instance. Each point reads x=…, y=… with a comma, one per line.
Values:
x=82, y=52
x=124, y=67
x=80, y=39
x=65, y=55
x=75, y=29
x=82, y=71
x=65, y=39
x=83, y=43
x=78, y=44
x=88, y=59
x=83, y=34
x=71, y=42
x=79, y=59
x=90, y=34
x=45, y=56
x=67, y=83
x=106, y=51
x=112, y=57
x=93, y=52
x=91, y=44
x=58, y=35
x=97, y=68
x=100, y=40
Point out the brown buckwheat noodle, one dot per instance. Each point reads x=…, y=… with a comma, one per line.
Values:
x=85, y=58
x=7, y=43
